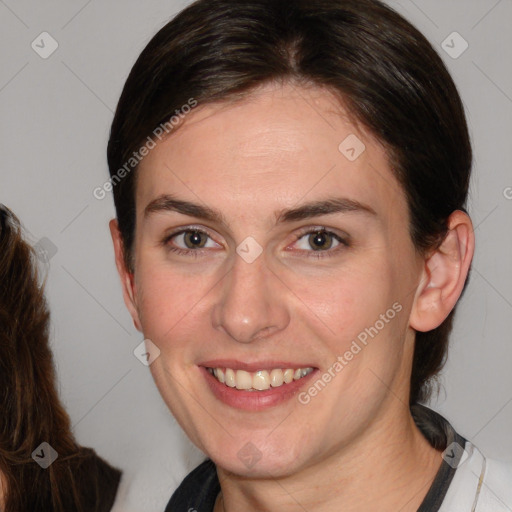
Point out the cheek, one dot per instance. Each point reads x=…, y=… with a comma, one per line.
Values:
x=348, y=301
x=169, y=303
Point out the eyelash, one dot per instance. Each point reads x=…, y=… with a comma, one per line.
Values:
x=344, y=243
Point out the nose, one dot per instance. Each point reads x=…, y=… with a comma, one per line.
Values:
x=251, y=303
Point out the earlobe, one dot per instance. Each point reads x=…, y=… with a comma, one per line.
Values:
x=444, y=274
x=127, y=280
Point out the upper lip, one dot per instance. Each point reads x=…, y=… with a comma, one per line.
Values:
x=253, y=366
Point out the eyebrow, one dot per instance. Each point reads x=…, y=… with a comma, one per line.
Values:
x=324, y=207
x=168, y=203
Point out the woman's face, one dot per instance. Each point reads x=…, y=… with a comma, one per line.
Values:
x=272, y=237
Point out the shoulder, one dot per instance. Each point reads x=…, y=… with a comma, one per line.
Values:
x=497, y=486
x=198, y=491
x=480, y=484
x=97, y=481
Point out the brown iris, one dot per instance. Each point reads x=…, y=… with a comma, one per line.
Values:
x=194, y=239
x=320, y=240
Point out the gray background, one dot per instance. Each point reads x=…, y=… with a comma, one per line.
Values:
x=55, y=117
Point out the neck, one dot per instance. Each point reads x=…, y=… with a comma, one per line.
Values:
x=391, y=467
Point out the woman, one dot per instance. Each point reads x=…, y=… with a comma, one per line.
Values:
x=42, y=468
x=290, y=181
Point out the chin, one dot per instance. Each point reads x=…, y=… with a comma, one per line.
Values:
x=259, y=458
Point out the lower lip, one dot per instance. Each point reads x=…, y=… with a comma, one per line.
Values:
x=254, y=400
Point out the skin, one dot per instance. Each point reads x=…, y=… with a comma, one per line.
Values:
x=354, y=446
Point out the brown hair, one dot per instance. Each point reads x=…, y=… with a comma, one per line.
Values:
x=31, y=412
x=384, y=69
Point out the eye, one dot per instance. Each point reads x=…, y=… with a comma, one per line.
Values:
x=320, y=240
x=189, y=240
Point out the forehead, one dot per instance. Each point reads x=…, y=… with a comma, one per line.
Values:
x=279, y=145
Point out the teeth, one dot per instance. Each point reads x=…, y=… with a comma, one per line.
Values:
x=220, y=375
x=288, y=376
x=243, y=380
x=301, y=372
x=276, y=378
x=260, y=380
x=230, y=378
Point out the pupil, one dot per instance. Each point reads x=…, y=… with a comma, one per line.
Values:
x=193, y=239
x=320, y=240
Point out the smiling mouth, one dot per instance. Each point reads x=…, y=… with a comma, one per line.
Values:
x=261, y=380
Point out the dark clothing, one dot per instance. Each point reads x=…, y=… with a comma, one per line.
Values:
x=200, y=488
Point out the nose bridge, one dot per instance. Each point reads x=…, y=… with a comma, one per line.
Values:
x=250, y=304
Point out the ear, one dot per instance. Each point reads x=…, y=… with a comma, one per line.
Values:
x=444, y=274
x=127, y=279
